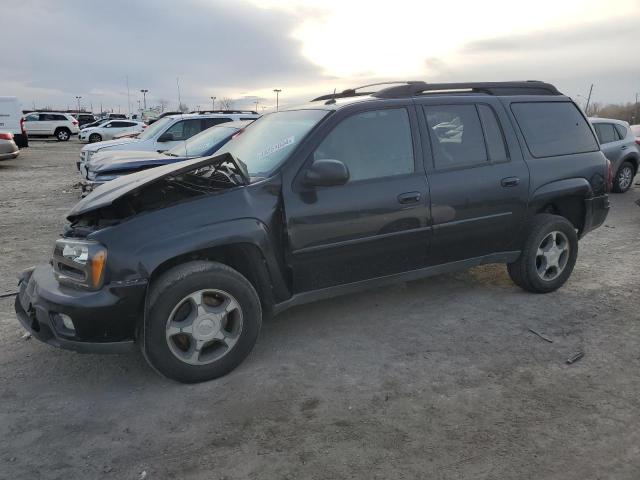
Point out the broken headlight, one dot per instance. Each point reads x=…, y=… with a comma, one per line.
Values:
x=79, y=262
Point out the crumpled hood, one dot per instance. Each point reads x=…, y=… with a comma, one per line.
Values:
x=93, y=147
x=109, y=192
x=128, y=160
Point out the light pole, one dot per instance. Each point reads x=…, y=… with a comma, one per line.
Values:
x=78, y=100
x=144, y=98
x=277, y=90
x=213, y=103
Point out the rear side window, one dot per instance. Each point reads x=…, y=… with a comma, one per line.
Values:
x=606, y=132
x=622, y=131
x=210, y=122
x=553, y=128
x=456, y=136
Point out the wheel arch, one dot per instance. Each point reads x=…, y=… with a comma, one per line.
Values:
x=564, y=198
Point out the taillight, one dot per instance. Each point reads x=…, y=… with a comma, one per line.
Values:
x=75, y=122
x=638, y=140
x=609, y=176
x=6, y=136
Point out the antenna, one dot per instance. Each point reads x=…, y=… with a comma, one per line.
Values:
x=128, y=97
x=179, y=99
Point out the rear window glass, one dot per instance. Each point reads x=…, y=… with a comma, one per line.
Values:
x=554, y=128
x=622, y=130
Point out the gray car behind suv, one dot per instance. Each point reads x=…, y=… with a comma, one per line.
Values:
x=618, y=143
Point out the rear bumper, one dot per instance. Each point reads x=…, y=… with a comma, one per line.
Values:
x=104, y=321
x=596, y=211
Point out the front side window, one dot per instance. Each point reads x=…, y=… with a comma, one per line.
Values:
x=606, y=133
x=184, y=129
x=373, y=144
x=32, y=118
x=456, y=136
x=155, y=128
x=554, y=128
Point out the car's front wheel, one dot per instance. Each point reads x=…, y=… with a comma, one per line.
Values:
x=203, y=319
x=624, y=178
x=548, y=257
x=95, y=137
x=63, y=134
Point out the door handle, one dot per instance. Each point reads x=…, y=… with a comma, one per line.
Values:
x=624, y=147
x=409, y=197
x=510, y=182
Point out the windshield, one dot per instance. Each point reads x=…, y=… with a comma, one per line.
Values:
x=268, y=141
x=200, y=144
x=154, y=128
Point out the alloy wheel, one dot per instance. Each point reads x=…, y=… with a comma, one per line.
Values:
x=204, y=326
x=552, y=255
x=625, y=177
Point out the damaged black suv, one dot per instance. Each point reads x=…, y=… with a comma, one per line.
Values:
x=353, y=190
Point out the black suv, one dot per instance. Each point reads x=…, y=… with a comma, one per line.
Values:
x=352, y=190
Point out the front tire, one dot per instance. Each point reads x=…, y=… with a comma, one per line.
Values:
x=624, y=178
x=95, y=137
x=202, y=320
x=63, y=134
x=548, y=257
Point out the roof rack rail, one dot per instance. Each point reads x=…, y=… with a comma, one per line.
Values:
x=201, y=112
x=352, y=92
x=528, y=87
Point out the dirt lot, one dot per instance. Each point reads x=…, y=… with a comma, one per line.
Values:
x=437, y=379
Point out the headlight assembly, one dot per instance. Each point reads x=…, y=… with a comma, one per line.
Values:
x=79, y=262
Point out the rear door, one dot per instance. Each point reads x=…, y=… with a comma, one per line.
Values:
x=378, y=222
x=611, y=143
x=479, y=181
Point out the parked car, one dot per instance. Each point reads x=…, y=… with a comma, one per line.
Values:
x=636, y=131
x=117, y=116
x=8, y=148
x=97, y=123
x=51, y=124
x=166, y=133
x=12, y=120
x=84, y=118
x=348, y=192
x=107, y=130
x=106, y=166
x=619, y=145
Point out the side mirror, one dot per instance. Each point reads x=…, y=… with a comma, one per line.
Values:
x=326, y=173
x=166, y=137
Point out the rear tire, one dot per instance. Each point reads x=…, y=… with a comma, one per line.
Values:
x=220, y=329
x=624, y=178
x=95, y=137
x=548, y=257
x=63, y=134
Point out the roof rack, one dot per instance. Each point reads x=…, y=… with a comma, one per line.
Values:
x=413, y=88
x=202, y=112
x=352, y=92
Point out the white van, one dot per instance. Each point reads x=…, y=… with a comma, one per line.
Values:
x=12, y=120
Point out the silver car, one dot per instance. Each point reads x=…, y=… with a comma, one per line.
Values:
x=618, y=143
x=8, y=148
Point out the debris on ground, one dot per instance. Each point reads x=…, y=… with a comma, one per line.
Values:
x=575, y=357
x=9, y=294
x=143, y=475
x=26, y=336
x=541, y=335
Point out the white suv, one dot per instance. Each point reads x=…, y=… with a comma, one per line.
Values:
x=48, y=124
x=167, y=132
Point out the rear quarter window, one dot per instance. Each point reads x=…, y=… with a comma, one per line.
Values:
x=553, y=128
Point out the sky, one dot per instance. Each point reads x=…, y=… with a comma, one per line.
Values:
x=243, y=49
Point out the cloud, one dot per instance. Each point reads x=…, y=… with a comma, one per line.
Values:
x=88, y=48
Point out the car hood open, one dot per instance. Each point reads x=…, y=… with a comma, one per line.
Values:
x=109, y=192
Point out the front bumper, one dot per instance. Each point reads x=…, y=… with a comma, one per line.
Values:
x=596, y=211
x=104, y=320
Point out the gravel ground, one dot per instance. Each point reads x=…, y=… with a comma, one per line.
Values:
x=437, y=379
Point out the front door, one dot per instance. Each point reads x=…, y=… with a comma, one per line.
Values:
x=378, y=222
x=479, y=183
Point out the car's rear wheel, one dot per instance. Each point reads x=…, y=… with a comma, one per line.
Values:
x=63, y=134
x=203, y=319
x=624, y=178
x=95, y=137
x=548, y=257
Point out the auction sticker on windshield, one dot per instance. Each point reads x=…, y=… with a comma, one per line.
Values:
x=278, y=146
